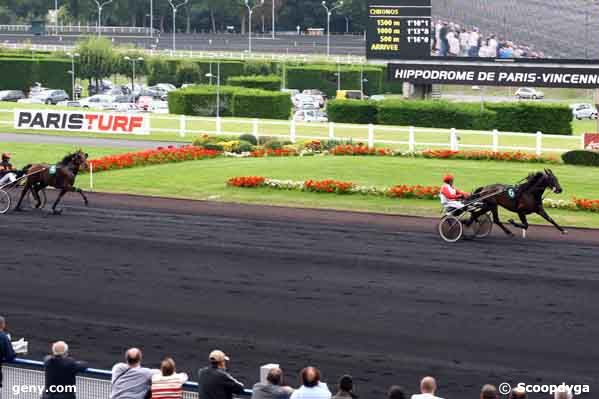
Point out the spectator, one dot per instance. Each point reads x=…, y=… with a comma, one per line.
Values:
x=130, y=380
x=396, y=392
x=214, y=382
x=563, y=392
x=7, y=354
x=273, y=388
x=428, y=387
x=346, y=388
x=61, y=372
x=454, y=44
x=443, y=38
x=168, y=384
x=312, y=387
x=473, y=43
x=518, y=393
x=489, y=392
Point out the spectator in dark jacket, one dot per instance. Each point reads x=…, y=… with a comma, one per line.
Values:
x=272, y=389
x=397, y=392
x=346, y=388
x=214, y=382
x=61, y=372
x=7, y=354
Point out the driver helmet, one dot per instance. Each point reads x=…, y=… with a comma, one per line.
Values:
x=6, y=156
x=448, y=178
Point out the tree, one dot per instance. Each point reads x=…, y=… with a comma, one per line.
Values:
x=97, y=59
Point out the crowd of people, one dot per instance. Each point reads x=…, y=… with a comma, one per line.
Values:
x=131, y=380
x=453, y=40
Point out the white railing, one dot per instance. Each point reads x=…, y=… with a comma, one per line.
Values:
x=82, y=29
x=404, y=138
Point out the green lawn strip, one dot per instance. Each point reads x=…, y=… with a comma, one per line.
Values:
x=206, y=179
x=26, y=153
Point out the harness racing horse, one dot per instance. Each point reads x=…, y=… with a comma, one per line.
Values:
x=524, y=199
x=61, y=176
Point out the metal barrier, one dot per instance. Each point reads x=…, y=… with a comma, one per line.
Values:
x=93, y=384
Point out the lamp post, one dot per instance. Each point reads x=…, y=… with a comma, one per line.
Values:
x=175, y=6
x=73, y=56
x=210, y=76
x=100, y=6
x=250, y=12
x=362, y=81
x=56, y=15
x=133, y=61
x=273, y=19
x=151, y=18
x=329, y=13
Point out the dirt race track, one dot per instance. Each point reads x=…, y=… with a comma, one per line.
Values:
x=378, y=296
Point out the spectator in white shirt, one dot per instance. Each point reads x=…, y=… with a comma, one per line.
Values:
x=168, y=384
x=428, y=387
x=312, y=387
x=563, y=392
x=489, y=392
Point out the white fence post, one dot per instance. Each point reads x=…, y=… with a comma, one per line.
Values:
x=292, y=131
x=411, y=139
x=182, y=123
x=539, y=145
x=453, y=140
x=255, y=129
x=332, y=130
x=219, y=127
x=495, y=140
x=370, y=135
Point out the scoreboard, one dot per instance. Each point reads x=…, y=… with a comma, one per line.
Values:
x=399, y=29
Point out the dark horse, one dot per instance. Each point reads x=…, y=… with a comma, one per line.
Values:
x=523, y=199
x=61, y=176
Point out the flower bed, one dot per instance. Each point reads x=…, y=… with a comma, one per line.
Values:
x=156, y=156
x=488, y=156
x=267, y=152
x=361, y=149
x=398, y=191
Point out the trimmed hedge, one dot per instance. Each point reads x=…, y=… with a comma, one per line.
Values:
x=581, y=157
x=324, y=77
x=21, y=73
x=267, y=82
x=440, y=114
x=532, y=117
x=352, y=111
x=200, y=100
x=165, y=71
x=262, y=104
x=234, y=101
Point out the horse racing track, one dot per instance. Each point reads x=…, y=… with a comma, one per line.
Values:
x=380, y=297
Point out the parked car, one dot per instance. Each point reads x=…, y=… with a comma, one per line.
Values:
x=159, y=107
x=377, y=97
x=144, y=103
x=529, y=93
x=350, y=95
x=310, y=115
x=315, y=92
x=69, y=103
x=11, y=95
x=98, y=101
x=305, y=101
x=53, y=96
x=165, y=87
x=292, y=92
x=584, y=111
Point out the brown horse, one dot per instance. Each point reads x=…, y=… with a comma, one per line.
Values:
x=61, y=176
x=523, y=199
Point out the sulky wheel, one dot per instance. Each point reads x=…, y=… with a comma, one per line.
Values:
x=484, y=226
x=450, y=228
x=4, y=202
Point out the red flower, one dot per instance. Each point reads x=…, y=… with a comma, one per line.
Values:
x=246, y=181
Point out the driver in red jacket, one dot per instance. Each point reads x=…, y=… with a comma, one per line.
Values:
x=450, y=196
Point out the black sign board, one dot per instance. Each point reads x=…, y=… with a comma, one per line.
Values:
x=496, y=75
x=399, y=29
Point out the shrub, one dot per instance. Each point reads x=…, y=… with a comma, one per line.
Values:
x=440, y=114
x=259, y=68
x=161, y=71
x=532, y=117
x=268, y=82
x=581, y=157
x=273, y=144
x=188, y=72
x=324, y=77
x=250, y=138
x=261, y=104
x=352, y=111
x=245, y=146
